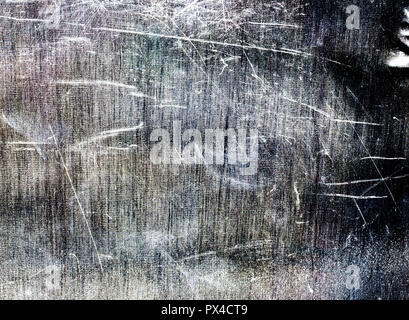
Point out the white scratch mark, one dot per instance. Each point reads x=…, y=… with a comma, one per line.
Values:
x=364, y=181
x=360, y=212
x=338, y=195
x=77, y=198
x=96, y=83
x=23, y=19
x=108, y=134
x=169, y=106
x=297, y=197
x=197, y=40
x=26, y=143
x=205, y=254
x=75, y=39
x=274, y=24
x=120, y=130
x=327, y=115
x=383, y=158
x=141, y=95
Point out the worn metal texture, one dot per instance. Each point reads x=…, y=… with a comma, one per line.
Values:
x=87, y=213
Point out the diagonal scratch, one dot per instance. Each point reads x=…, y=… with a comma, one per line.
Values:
x=327, y=115
x=77, y=198
x=205, y=41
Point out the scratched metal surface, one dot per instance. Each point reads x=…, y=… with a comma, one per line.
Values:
x=84, y=214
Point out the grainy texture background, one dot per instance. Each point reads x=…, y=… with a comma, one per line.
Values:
x=84, y=214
